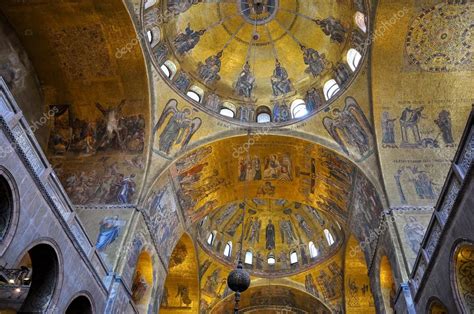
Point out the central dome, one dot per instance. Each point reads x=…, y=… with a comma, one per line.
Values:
x=280, y=237
x=258, y=60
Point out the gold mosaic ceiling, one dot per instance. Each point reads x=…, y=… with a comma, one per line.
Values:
x=273, y=230
x=279, y=177
x=257, y=55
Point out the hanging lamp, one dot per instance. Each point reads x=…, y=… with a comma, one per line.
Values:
x=239, y=279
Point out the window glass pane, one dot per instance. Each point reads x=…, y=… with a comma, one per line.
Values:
x=248, y=258
x=293, y=258
x=359, y=18
x=149, y=3
x=353, y=59
x=228, y=249
x=194, y=96
x=149, y=35
x=166, y=71
x=329, y=237
x=210, y=238
x=227, y=112
x=330, y=89
x=313, y=252
x=263, y=118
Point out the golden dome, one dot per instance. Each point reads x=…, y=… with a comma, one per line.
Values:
x=257, y=56
x=279, y=237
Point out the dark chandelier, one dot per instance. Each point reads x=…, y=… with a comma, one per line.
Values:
x=239, y=279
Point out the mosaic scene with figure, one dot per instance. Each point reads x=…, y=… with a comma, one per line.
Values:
x=237, y=156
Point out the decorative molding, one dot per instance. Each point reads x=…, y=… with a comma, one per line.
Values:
x=106, y=207
x=412, y=208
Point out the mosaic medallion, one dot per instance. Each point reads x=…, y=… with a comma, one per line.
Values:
x=440, y=39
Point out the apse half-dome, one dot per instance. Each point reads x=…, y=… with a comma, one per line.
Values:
x=257, y=61
x=280, y=237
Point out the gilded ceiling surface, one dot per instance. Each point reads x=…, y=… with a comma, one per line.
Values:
x=281, y=177
x=272, y=167
x=418, y=129
x=149, y=101
x=256, y=56
x=324, y=282
x=273, y=299
x=274, y=229
x=96, y=99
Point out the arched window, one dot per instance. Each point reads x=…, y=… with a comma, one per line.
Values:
x=226, y=112
x=359, y=19
x=169, y=69
x=264, y=117
x=329, y=237
x=271, y=259
x=149, y=36
x=313, y=251
x=149, y=3
x=293, y=258
x=228, y=249
x=194, y=96
x=330, y=89
x=211, y=238
x=264, y=114
x=298, y=108
x=248, y=258
x=353, y=59
x=195, y=93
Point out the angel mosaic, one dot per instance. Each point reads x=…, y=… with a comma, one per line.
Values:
x=175, y=128
x=350, y=129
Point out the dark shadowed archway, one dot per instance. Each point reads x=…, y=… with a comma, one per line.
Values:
x=6, y=206
x=80, y=305
x=45, y=271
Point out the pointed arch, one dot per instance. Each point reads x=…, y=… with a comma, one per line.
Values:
x=181, y=289
x=143, y=281
x=435, y=306
x=358, y=295
x=387, y=284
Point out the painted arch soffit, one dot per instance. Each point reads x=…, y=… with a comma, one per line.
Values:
x=97, y=101
x=280, y=170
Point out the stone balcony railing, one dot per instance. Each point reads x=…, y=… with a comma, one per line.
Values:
x=444, y=209
x=22, y=140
